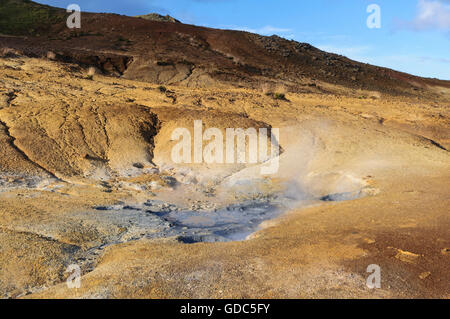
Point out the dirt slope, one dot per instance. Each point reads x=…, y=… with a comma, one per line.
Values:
x=169, y=53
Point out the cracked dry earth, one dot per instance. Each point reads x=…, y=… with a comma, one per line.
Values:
x=86, y=178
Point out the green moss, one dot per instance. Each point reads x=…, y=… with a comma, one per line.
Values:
x=24, y=17
x=277, y=96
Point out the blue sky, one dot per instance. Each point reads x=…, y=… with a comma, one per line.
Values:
x=414, y=36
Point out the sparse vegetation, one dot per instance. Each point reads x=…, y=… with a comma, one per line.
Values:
x=24, y=17
x=277, y=96
x=162, y=89
x=121, y=43
x=78, y=34
x=122, y=39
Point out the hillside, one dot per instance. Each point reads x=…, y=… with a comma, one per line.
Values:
x=176, y=53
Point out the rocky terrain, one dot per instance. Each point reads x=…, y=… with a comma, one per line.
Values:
x=153, y=50
x=158, y=17
x=87, y=178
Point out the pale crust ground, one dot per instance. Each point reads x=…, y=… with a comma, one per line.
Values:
x=319, y=251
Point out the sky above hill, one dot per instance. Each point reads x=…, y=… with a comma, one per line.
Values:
x=414, y=35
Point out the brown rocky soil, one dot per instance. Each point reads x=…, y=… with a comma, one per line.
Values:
x=169, y=53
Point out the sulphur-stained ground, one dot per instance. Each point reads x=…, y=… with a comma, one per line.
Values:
x=87, y=178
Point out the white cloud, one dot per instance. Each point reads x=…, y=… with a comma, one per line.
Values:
x=431, y=14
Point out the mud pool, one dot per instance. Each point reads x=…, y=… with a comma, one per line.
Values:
x=155, y=219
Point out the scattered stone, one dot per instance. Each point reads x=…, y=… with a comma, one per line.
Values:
x=138, y=165
x=51, y=55
x=369, y=241
x=407, y=256
x=92, y=71
x=424, y=275
x=158, y=17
